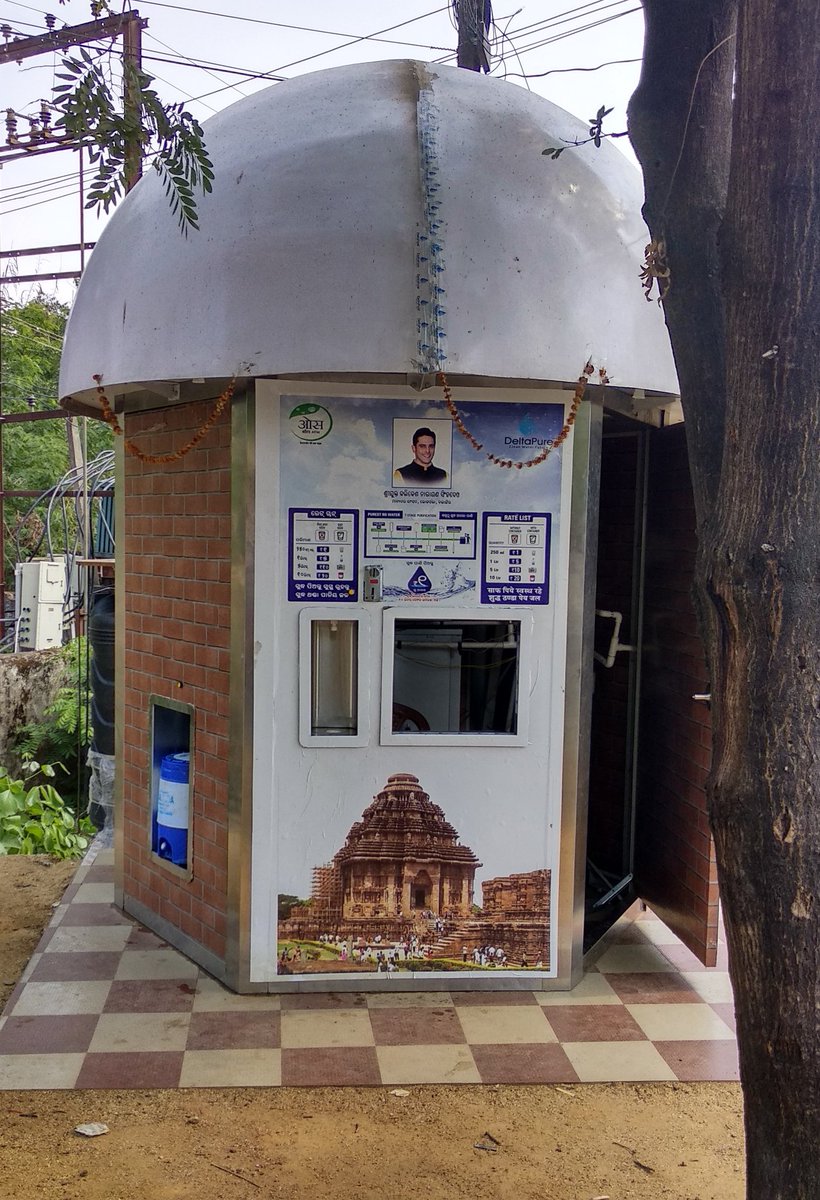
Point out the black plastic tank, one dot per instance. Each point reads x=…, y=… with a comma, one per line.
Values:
x=101, y=636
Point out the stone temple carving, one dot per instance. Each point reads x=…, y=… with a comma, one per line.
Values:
x=401, y=859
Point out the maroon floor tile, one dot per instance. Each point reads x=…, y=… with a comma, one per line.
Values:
x=726, y=1012
x=700, y=1061
x=76, y=964
x=652, y=987
x=47, y=1035
x=324, y=1000
x=337, y=1066
x=538, y=1063
x=483, y=999
x=234, y=1031
x=416, y=1026
x=593, y=1023
x=100, y=873
x=150, y=995
x=157, y=1069
x=94, y=914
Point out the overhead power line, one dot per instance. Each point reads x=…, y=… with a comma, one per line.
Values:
x=366, y=37
x=614, y=62
x=72, y=191
x=13, y=191
x=190, y=61
x=333, y=49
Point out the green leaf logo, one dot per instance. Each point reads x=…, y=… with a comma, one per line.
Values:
x=310, y=422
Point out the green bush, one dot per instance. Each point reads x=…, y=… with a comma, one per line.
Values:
x=63, y=733
x=34, y=818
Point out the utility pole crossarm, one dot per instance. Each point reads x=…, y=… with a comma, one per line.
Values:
x=74, y=35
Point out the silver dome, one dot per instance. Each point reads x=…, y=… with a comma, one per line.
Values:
x=309, y=258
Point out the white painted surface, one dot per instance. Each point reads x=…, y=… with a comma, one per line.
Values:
x=306, y=259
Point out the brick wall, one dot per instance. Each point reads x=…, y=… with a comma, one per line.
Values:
x=176, y=596
x=677, y=865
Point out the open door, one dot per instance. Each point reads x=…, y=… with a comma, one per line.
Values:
x=675, y=866
x=616, y=673
x=648, y=833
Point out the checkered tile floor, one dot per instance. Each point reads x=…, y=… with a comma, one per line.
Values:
x=105, y=1003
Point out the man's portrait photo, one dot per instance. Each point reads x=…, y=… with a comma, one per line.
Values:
x=422, y=453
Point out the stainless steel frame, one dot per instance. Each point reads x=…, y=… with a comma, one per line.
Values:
x=240, y=760
x=119, y=667
x=185, y=874
x=583, y=551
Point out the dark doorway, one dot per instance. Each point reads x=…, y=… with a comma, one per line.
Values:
x=422, y=890
x=618, y=629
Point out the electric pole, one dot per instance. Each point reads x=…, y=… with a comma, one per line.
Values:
x=43, y=139
x=473, y=18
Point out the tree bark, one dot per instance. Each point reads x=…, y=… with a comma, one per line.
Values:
x=758, y=516
x=680, y=127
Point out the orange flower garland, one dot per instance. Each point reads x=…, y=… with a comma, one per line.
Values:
x=110, y=417
x=553, y=444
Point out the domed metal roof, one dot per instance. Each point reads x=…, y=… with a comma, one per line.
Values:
x=367, y=221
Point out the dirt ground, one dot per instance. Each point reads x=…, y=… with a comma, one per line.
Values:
x=581, y=1142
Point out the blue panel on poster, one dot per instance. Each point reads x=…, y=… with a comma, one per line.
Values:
x=323, y=555
x=516, y=558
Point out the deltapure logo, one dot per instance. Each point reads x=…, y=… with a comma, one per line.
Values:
x=419, y=583
x=310, y=422
x=527, y=436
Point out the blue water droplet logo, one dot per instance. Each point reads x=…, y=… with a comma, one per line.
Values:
x=419, y=582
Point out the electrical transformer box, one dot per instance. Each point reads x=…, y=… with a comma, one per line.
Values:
x=38, y=609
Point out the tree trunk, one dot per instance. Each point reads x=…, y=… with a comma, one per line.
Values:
x=680, y=126
x=759, y=530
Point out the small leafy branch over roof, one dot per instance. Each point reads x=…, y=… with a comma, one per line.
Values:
x=166, y=135
x=596, y=135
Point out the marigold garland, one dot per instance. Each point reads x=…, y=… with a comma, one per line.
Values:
x=110, y=417
x=553, y=444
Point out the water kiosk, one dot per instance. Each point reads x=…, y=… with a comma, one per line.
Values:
x=360, y=596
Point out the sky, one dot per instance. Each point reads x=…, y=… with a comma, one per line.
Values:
x=193, y=48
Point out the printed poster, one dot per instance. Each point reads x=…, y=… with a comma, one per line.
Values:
x=419, y=501
x=396, y=858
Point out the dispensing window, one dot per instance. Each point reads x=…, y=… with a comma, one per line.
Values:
x=331, y=708
x=171, y=727
x=453, y=680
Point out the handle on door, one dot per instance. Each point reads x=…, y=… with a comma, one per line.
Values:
x=615, y=645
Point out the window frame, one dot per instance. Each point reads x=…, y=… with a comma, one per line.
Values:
x=337, y=741
x=481, y=616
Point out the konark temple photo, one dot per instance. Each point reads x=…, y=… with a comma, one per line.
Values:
x=400, y=894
